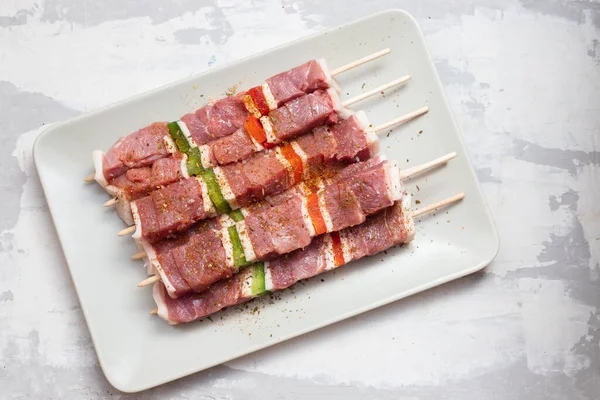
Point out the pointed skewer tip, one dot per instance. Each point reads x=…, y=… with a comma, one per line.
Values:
x=408, y=173
x=439, y=204
x=361, y=61
x=149, y=281
x=126, y=231
x=377, y=90
x=139, y=256
x=89, y=178
x=110, y=202
x=401, y=120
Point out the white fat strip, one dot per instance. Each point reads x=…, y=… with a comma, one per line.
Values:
x=136, y=220
x=123, y=208
x=305, y=214
x=250, y=106
x=395, y=187
x=323, y=207
x=270, y=99
x=114, y=191
x=328, y=248
x=226, y=222
x=183, y=166
x=302, y=156
x=284, y=161
x=266, y=123
x=225, y=188
x=170, y=144
x=346, y=246
x=153, y=259
x=98, y=158
x=366, y=126
x=147, y=264
x=331, y=82
x=206, y=156
x=408, y=220
x=247, y=281
x=257, y=146
x=209, y=207
x=338, y=107
x=150, y=270
x=246, y=242
x=187, y=133
x=268, y=279
x=159, y=298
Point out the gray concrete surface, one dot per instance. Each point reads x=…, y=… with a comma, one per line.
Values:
x=523, y=78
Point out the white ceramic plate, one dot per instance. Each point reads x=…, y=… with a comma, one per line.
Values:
x=138, y=351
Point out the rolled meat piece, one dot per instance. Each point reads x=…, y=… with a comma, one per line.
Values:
x=171, y=209
x=305, y=78
x=139, y=149
x=139, y=182
x=216, y=120
x=230, y=149
x=302, y=115
x=194, y=259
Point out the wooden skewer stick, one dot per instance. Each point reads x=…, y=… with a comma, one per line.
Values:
x=154, y=312
x=413, y=171
x=110, y=202
x=361, y=61
x=439, y=204
x=403, y=119
x=149, y=281
x=407, y=173
x=126, y=231
x=89, y=178
x=139, y=255
x=379, y=89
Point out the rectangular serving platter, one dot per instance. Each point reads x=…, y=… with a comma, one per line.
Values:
x=137, y=350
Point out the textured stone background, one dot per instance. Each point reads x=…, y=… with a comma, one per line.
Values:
x=523, y=79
